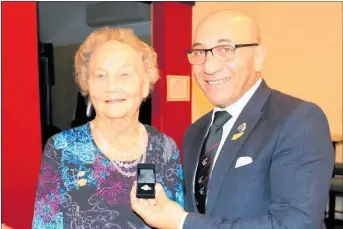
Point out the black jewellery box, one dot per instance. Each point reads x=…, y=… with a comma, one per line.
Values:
x=146, y=180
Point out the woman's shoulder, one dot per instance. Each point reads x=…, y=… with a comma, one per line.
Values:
x=74, y=145
x=162, y=144
x=158, y=136
x=73, y=135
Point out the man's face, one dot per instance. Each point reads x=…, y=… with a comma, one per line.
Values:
x=224, y=82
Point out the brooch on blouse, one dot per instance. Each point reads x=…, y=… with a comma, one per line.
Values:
x=81, y=182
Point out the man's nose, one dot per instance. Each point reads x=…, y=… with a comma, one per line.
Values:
x=212, y=64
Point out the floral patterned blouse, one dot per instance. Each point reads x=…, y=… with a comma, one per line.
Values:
x=80, y=188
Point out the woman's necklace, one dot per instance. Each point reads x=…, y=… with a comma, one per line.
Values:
x=123, y=167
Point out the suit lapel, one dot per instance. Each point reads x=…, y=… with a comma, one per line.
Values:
x=250, y=115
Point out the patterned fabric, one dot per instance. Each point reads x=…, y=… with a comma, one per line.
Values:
x=206, y=158
x=79, y=187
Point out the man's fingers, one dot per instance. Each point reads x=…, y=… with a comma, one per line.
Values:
x=152, y=202
x=140, y=206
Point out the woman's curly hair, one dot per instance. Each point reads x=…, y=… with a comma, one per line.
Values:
x=124, y=35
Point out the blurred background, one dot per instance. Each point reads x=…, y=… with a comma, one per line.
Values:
x=62, y=26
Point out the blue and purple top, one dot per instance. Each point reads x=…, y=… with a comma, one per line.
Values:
x=80, y=188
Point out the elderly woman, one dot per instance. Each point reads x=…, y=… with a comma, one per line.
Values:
x=87, y=172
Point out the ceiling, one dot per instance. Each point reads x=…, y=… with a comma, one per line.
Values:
x=64, y=23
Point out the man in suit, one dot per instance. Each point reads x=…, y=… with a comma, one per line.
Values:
x=261, y=159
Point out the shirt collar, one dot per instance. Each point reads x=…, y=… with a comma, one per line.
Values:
x=236, y=108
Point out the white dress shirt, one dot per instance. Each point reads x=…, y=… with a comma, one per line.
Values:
x=234, y=110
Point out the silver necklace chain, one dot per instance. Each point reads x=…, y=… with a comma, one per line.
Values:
x=121, y=166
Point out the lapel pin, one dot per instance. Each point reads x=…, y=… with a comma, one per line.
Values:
x=241, y=128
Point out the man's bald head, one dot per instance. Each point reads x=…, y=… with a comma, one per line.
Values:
x=241, y=27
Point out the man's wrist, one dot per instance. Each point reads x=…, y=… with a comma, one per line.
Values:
x=183, y=220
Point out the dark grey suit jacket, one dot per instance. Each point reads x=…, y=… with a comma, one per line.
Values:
x=286, y=185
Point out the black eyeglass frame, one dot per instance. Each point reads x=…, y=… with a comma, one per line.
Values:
x=234, y=46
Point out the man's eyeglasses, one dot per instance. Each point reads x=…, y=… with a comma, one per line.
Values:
x=222, y=52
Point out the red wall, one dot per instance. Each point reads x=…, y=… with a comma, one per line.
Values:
x=171, y=36
x=21, y=135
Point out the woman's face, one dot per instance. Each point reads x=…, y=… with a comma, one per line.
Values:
x=117, y=83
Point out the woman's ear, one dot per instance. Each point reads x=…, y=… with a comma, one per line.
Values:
x=260, y=56
x=146, y=87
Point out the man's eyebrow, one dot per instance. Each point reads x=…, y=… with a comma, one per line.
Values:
x=196, y=44
x=219, y=41
x=224, y=40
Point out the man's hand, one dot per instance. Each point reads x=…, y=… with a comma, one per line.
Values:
x=160, y=212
